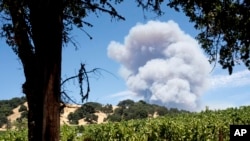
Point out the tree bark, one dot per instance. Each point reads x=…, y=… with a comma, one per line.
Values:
x=47, y=26
x=41, y=62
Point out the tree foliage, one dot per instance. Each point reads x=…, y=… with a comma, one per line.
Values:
x=128, y=109
x=74, y=13
x=126, y=103
x=22, y=108
x=107, y=109
x=224, y=26
x=87, y=112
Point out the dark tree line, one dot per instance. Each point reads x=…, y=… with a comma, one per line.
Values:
x=128, y=109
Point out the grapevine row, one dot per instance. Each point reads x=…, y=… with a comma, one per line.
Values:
x=204, y=126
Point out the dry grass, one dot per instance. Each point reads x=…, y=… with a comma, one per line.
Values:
x=64, y=117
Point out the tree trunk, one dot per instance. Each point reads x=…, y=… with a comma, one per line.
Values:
x=43, y=88
x=44, y=104
x=41, y=61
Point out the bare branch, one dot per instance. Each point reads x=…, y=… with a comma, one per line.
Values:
x=76, y=76
x=82, y=76
x=112, y=12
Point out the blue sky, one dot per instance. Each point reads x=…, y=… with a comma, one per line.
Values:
x=221, y=92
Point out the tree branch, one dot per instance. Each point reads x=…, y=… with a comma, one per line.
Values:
x=112, y=11
x=22, y=41
x=82, y=76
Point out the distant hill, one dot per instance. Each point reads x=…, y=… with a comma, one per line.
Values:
x=16, y=109
x=7, y=106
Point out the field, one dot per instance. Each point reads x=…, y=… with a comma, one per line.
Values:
x=203, y=126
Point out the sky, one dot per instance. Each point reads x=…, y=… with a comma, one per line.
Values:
x=145, y=57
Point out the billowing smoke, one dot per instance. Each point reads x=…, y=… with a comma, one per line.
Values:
x=162, y=64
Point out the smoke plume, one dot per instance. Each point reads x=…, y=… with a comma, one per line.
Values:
x=162, y=64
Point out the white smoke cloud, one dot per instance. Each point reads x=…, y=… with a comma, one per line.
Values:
x=162, y=64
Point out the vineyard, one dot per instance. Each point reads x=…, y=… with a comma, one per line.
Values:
x=203, y=126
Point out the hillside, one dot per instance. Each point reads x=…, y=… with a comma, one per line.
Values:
x=70, y=108
x=88, y=113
